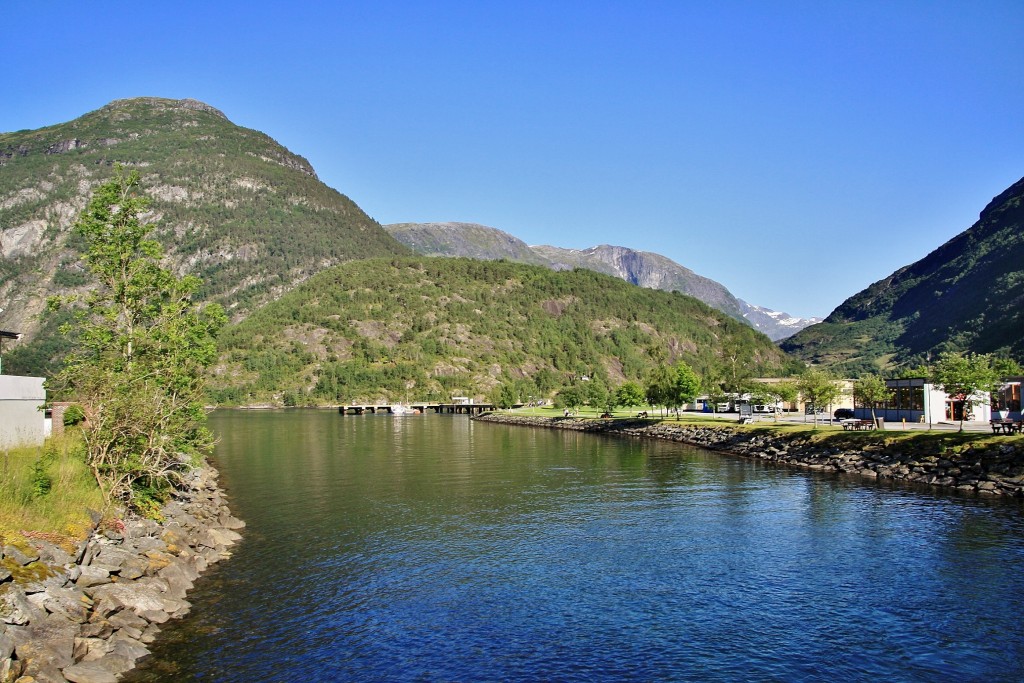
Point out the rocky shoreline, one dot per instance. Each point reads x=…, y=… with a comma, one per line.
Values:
x=992, y=470
x=87, y=616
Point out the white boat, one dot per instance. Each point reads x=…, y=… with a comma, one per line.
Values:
x=402, y=410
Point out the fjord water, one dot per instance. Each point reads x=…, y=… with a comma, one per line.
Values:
x=433, y=548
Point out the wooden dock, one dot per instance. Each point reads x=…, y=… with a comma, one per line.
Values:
x=450, y=408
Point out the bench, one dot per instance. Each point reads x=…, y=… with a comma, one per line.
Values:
x=1005, y=426
x=856, y=425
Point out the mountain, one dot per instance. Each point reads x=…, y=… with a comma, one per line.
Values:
x=776, y=324
x=429, y=328
x=464, y=239
x=642, y=268
x=230, y=204
x=967, y=295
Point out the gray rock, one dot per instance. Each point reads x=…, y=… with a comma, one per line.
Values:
x=228, y=521
x=51, y=554
x=178, y=581
x=49, y=642
x=150, y=543
x=6, y=645
x=15, y=607
x=135, y=597
x=10, y=669
x=71, y=603
x=42, y=671
x=112, y=558
x=127, y=647
x=126, y=619
x=89, y=672
x=92, y=576
x=21, y=557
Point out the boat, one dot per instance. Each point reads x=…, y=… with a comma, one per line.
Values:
x=399, y=409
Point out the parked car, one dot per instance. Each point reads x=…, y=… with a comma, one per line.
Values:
x=843, y=414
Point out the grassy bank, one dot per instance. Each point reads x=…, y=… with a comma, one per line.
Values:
x=47, y=490
x=936, y=441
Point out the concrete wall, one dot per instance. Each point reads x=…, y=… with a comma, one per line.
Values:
x=21, y=416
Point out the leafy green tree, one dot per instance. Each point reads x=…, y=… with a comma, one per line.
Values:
x=570, y=397
x=142, y=350
x=870, y=390
x=629, y=394
x=504, y=396
x=819, y=388
x=659, y=386
x=772, y=394
x=598, y=396
x=684, y=386
x=963, y=377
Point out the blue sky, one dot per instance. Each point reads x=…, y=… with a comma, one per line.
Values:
x=796, y=152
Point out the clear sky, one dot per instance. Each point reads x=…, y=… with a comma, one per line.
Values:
x=796, y=152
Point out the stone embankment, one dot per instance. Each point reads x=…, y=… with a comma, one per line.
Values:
x=88, y=616
x=995, y=469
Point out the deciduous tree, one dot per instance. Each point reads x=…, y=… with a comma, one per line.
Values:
x=870, y=390
x=629, y=394
x=818, y=388
x=143, y=348
x=969, y=378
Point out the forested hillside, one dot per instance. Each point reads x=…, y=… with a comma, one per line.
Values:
x=967, y=295
x=430, y=328
x=642, y=268
x=231, y=206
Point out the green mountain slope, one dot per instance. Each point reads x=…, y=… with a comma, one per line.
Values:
x=642, y=268
x=967, y=295
x=430, y=328
x=231, y=205
x=464, y=239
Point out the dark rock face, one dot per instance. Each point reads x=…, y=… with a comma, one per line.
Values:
x=90, y=620
x=992, y=471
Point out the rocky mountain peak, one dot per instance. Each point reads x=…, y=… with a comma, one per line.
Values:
x=164, y=103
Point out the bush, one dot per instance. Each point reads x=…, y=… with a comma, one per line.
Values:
x=73, y=415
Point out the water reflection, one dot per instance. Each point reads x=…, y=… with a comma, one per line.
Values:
x=433, y=548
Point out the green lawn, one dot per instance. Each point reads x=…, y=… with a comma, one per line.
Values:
x=47, y=490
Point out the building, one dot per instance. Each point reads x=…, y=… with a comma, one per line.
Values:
x=917, y=400
x=1006, y=400
x=22, y=421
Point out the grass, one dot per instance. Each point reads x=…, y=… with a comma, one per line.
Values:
x=47, y=491
x=937, y=442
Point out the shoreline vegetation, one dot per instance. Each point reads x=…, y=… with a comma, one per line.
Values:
x=85, y=612
x=973, y=463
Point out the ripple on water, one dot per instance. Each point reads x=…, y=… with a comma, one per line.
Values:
x=437, y=550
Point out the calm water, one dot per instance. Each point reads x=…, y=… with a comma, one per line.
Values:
x=435, y=549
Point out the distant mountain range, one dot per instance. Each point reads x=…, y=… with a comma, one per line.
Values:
x=642, y=268
x=967, y=295
x=253, y=221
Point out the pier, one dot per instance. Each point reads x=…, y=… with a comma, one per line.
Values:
x=451, y=408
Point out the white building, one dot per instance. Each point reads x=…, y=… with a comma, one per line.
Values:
x=916, y=400
x=22, y=421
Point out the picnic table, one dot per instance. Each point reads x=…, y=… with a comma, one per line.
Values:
x=855, y=425
x=1005, y=426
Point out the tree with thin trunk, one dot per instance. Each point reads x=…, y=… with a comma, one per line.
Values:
x=871, y=390
x=683, y=386
x=969, y=378
x=143, y=347
x=818, y=388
